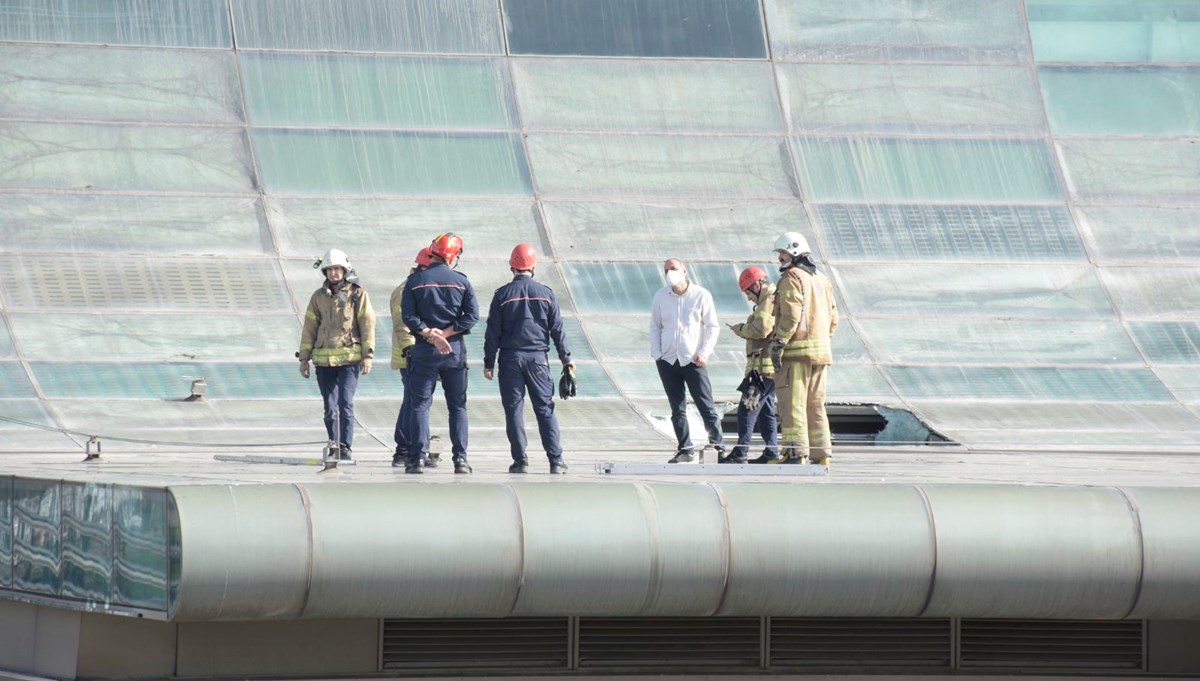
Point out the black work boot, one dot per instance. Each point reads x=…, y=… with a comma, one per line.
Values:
x=558, y=468
x=398, y=460
x=735, y=457
x=462, y=467
x=414, y=468
x=521, y=466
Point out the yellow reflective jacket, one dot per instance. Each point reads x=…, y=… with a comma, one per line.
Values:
x=757, y=331
x=338, y=329
x=805, y=316
x=402, y=338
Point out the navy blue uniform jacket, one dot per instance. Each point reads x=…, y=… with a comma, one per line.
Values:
x=437, y=298
x=524, y=317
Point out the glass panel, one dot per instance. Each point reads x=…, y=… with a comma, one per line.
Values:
x=918, y=291
x=1154, y=292
x=455, y=26
x=6, y=346
x=167, y=337
x=80, y=223
x=140, y=550
x=28, y=410
x=585, y=94
x=1142, y=31
x=627, y=166
x=635, y=28
x=173, y=381
x=6, y=532
x=376, y=92
x=648, y=231
x=1150, y=171
x=358, y=162
x=36, y=536
x=87, y=555
x=627, y=338
x=906, y=30
x=856, y=383
x=174, y=552
x=614, y=287
x=398, y=228
x=124, y=157
x=1184, y=382
x=14, y=382
x=163, y=284
x=184, y=23
x=1079, y=416
x=642, y=380
x=905, y=169
x=172, y=86
x=910, y=99
x=1137, y=101
x=1143, y=232
x=1000, y=340
x=721, y=281
x=923, y=232
x=1169, y=342
x=1102, y=440
x=1029, y=383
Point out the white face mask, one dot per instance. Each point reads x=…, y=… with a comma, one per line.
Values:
x=675, y=278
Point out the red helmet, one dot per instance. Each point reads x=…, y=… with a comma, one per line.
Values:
x=424, y=258
x=523, y=257
x=750, y=276
x=447, y=246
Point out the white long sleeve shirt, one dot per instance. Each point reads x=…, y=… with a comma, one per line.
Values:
x=683, y=326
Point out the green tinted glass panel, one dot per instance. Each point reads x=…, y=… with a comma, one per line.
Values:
x=910, y=99
x=899, y=341
x=87, y=555
x=86, y=83
x=656, y=166
x=6, y=345
x=613, y=287
x=856, y=383
x=647, y=231
x=454, y=26
x=26, y=410
x=42, y=282
x=140, y=547
x=1030, y=415
x=721, y=281
x=626, y=338
x=635, y=28
x=166, y=337
x=1141, y=31
x=1135, y=100
x=1156, y=233
x=37, y=536
x=1150, y=171
x=1184, y=383
x=905, y=169
x=6, y=534
x=376, y=92
x=124, y=157
x=13, y=381
x=617, y=94
x=1169, y=342
x=1154, y=292
x=172, y=381
x=90, y=223
x=1029, y=383
x=904, y=30
x=922, y=291
x=927, y=232
x=357, y=162
x=399, y=228
x=183, y=23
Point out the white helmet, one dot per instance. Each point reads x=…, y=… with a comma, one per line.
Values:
x=334, y=258
x=792, y=243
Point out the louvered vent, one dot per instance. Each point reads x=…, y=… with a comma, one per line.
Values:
x=1050, y=644
x=476, y=644
x=679, y=642
x=860, y=643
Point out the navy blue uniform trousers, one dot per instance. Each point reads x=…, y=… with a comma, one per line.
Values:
x=522, y=372
x=404, y=418
x=763, y=419
x=337, y=386
x=426, y=366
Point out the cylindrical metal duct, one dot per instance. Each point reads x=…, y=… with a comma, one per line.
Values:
x=1170, y=523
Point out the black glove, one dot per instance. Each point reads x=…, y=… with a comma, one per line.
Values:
x=406, y=353
x=566, y=384
x=752, y=388
x=777, y=355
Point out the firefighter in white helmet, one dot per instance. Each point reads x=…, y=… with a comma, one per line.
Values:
x=805, y=318
x=339, y=338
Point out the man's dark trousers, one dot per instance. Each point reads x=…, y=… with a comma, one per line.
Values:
x=337, y=385
x=426, y=366
x=763, y=419
x=528, y=371
x=675, y=379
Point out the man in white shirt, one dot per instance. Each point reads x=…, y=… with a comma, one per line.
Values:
x=683, y=335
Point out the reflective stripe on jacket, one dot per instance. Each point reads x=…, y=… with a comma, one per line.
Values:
x=805, y=316
x=339, y=328
x=757, y=331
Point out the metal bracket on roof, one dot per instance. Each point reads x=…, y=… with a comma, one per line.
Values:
x=88, y=455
